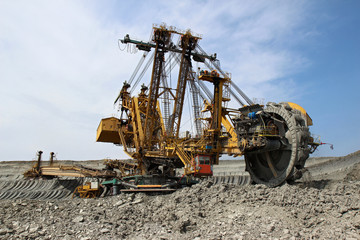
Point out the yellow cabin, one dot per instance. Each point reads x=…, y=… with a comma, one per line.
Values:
x=108, y=130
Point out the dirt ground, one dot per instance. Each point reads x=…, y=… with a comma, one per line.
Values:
x=324, y=204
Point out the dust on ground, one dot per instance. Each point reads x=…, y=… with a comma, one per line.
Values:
x=324, y=204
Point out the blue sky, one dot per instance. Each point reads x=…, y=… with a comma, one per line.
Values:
x=61, y=69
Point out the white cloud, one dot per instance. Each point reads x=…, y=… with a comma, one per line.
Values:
x=60, y=68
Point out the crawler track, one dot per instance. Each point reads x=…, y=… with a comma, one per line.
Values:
x=38, y=189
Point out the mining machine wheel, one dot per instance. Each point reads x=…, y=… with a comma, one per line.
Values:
x=273, y=168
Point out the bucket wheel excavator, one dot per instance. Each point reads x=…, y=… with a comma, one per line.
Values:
x=274, y=139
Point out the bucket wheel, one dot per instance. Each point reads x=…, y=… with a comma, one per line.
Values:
x=273, y=168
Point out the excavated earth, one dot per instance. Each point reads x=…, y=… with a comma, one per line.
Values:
x=324, y=204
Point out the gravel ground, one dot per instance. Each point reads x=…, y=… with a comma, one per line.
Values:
x=314, y=208
x=204, y=211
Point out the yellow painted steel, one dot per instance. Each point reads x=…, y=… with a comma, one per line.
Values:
x=137, y=120
x=303, y=112
x=163, y=130
x=232, y=148
x=108, y=130
x=86, y=191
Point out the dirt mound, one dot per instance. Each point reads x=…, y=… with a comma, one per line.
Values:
x=354, y=174
x=335, y=168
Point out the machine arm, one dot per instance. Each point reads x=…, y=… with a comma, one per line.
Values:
x=146, y=46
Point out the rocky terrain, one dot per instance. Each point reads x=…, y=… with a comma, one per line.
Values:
x=324, y=204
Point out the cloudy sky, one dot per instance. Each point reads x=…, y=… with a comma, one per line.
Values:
x=61, y=68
